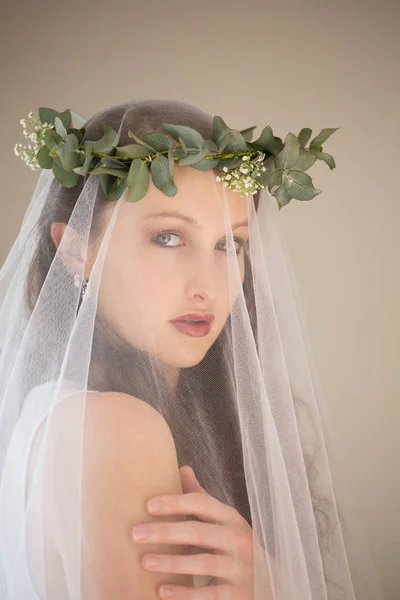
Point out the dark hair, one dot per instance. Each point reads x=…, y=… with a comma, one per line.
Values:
x=143, y=117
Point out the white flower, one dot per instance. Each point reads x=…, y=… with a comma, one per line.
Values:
x=34, y=131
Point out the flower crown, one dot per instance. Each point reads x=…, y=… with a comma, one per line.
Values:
x=246, y=166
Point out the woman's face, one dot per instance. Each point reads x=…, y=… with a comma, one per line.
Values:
x=160, y=267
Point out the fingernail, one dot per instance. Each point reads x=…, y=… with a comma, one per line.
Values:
x=152, y=561
x=166, y=592
x=141, y=532
x=155, y=505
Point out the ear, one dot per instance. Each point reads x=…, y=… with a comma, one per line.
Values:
x=56, y=232
x=67, y=242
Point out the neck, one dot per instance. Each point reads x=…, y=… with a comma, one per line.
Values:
x=171, y=376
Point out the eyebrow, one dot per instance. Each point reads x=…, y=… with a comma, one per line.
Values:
x=187, y=219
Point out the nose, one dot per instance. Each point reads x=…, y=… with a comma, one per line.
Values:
x=203, y=279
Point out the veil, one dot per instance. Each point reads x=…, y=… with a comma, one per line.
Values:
x=106, y=395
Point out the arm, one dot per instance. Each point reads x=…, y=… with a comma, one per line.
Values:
x=129, y=456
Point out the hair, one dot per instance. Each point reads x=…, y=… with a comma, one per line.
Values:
x=108, y=346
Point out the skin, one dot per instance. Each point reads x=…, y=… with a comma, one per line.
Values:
x=144, y=285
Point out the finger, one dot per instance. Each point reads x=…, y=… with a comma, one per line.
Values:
x=216, y=565
x=193, y=533
x=199, y=504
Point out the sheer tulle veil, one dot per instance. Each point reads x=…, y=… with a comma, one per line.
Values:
x=241, y=401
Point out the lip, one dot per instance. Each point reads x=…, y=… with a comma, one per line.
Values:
x=198, y=316
x=187, y=327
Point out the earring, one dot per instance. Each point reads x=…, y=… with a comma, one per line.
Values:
x=81, y=283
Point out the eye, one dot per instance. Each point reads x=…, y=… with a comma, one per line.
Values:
x=240, y=244
x=162, y=239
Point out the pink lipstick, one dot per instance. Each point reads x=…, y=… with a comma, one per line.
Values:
x=194, y=324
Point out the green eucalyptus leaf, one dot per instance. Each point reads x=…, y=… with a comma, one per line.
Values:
x=191, y=137
x=44, y=159
x=85, y=168
x=316, y=143
x=289, y=155
x=159, y=141
x=139, y=141
x=275, y=179
x=282, y=196
x=161, y=175
x=178, y=153
x=183, y=146
x=248, y=133
x=110, y=166
x=208, y=163
x=108, y=141
x=87, y=160
x=306, y=160
x=88, y=164
x=113, y=187
x=66, y=178
x=267, y=142
x=233, y=141
x=328, y=158
x=220, y=129
x=133, y=151
x=67, y=153
x=299, y=185
x=304, y=136
x=138, y=180
x=193, y=158
x=109, y=171
x=79, y=133
x=65, y=118
x=60, y=128
x=47, y=115
x=52, y=139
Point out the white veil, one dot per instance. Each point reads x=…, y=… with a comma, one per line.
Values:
x=245, y=412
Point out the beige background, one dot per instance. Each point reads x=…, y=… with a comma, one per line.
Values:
x=290, y=64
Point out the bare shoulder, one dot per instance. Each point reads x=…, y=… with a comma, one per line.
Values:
x=127, y=419
x=129, y=456
x=128, y=429
x=116, y=405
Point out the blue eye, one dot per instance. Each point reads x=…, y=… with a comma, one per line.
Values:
x=165, y=236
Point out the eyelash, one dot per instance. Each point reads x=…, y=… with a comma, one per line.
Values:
x=241, y=242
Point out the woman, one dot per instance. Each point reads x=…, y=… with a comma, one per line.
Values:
x=152, y=349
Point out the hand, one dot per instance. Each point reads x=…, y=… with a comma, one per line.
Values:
x=224, y=531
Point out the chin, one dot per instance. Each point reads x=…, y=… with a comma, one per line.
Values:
x=184, y=357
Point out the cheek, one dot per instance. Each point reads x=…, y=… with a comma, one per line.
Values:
x=152, y=281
